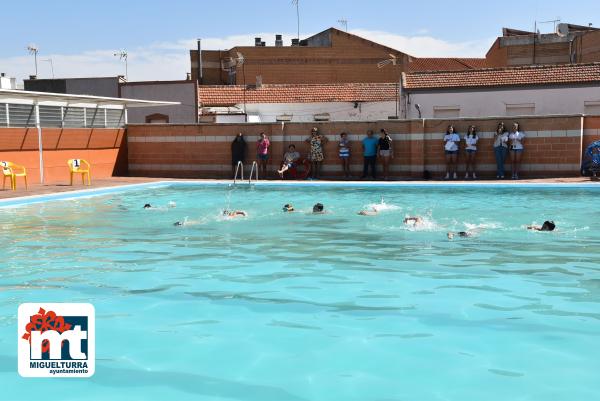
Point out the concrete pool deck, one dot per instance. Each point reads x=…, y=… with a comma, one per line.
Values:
x=55, y=188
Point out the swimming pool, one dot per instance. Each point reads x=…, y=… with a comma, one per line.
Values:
x=295, y=306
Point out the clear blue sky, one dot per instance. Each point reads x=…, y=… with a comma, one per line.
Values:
x=69, y=26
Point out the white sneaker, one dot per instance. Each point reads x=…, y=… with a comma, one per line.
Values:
x=455, y=176
x=447, y=176
x=474, y=176
x=466, y=176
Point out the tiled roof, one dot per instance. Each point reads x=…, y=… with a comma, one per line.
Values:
x=500, y=77
x=445, y=64
x=228, y=95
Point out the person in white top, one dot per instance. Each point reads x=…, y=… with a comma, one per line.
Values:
x=516, y=138
x=451, y=141
x=471, y=148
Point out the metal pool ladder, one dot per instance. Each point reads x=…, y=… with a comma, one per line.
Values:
x=239, y=171
x=254, y=169
x=238, y=168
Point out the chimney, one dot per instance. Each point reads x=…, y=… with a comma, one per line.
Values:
x=258, y=81
x=257, y=42
x=33, y=77
x=295, y=42
x=200, y=67
x=2, y=74
x=278, y=41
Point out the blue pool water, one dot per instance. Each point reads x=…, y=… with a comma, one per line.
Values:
x=277, y=306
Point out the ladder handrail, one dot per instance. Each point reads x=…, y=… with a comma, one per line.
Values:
x=237, y=168
x=253, y=170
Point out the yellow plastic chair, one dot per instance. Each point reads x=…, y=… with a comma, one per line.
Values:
x=12, y=171
x=80, y=166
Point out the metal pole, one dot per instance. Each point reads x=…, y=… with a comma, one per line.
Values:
x=40, y=144
x=200, y=69
x=35, y=58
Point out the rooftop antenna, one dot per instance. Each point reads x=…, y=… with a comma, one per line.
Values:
x=122, y=54
x=553, y=21
x=33, y=49
x=297, y=4
x=343, y=22
x=393, y=60
x=49, y=60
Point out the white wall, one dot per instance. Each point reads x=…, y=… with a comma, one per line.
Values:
x=338, y=111
x=8, y=83
x=184, y=92
x=486, y=103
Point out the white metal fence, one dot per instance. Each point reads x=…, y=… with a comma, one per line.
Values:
x=23, y=115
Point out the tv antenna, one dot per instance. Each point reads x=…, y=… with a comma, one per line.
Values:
x=122, y=54
x=343, y=22
x=33, y=49
x=297, y=4
x=49, y=60
x=393, y=60
x=553, y=21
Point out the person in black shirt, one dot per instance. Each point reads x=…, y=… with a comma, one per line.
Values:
x=385, y=152
x=238, y=151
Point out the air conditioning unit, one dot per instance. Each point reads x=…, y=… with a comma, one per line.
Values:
x=284, y=117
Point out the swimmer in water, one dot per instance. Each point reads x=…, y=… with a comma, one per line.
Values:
x=461, y=234
x=368, y=212
x=547, y=226
x=235, y=213
x=147, y=206
x=288, y=207
x=318, y=208
x=415, y=221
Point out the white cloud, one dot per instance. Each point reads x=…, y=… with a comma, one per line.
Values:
x=170, y=60
x=427, y=46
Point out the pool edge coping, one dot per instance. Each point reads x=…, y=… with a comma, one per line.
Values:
x=86, y=193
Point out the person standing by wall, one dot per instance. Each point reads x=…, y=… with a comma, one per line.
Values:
x=238, y=151
x=386, y=152
x=500, y=149
x=451, y=141
x=316, y=155
x=471, y=149
x=516, y=149
x=369, y=145
x=262, y=153
x=344, y=154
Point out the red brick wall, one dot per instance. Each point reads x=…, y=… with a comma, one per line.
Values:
x=552, y=147
x=497, y=56
x=105, y=149
x=590, y=47
x=349, y=59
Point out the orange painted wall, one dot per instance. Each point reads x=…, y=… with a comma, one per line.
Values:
x=105, y=149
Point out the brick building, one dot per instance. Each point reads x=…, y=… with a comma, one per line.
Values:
x=331, y=56
x=569, y=44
